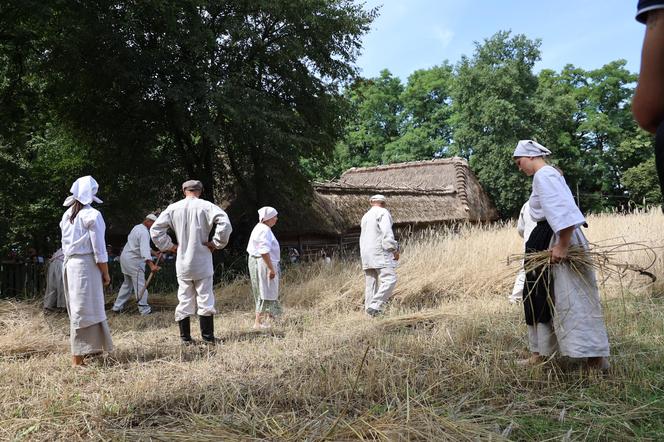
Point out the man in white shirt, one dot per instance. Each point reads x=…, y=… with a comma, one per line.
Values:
x=135, y=255
x=380, y=252
x=192, y=219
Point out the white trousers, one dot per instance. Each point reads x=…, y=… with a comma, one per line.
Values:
x=193, y=293
x=380, y=284
x=517, y=291
x=133, y=284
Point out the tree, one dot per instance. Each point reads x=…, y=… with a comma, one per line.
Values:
x=424, y=127
x=493, y=109
x=374, y=122
x=604, y=123
x=642, y=183
x=234, y=93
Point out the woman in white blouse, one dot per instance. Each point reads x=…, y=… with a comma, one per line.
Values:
x=263, y=261
x=85, y=271
x=561, y=304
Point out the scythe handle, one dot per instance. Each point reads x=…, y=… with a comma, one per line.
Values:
x=139, y=295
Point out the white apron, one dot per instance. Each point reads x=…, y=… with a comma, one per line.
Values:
x=269, y=288
x=84, y=291
x=578, y=320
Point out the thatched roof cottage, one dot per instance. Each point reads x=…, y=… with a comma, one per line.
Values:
x=419, y=194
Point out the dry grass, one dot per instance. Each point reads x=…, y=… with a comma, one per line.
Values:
x=438, y=366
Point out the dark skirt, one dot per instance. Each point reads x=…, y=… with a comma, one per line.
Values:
x=538, y=296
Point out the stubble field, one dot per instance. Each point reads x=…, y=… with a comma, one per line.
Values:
x=440, y=365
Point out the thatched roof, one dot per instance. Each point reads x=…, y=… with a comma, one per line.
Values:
x=418, y=193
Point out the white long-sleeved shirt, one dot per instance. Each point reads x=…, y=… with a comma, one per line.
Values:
x=551, y=200
x=525, y=224
x=85, y=235
x=137, y=250
x=377, y=243
x=192, y=220
x=262, y=241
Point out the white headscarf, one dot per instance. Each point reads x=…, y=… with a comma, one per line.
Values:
x=265, y=213
x=83, y=190
x=377, y=197
x=151, y=217
x=530, y=148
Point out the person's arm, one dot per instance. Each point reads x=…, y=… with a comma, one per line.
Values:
x=389, y=243
x=561, y=248
x=268, y=262
x=223, y=228
x=159, y=233
x=105, y=276
x=146, y=251
x=558, y=204
x=262, y=245
x=648, y=101
x=97, y=229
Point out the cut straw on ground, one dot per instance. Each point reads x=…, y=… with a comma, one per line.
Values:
x=440, y=365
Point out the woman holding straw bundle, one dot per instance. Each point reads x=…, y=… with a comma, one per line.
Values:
x=85, y=271
x=264, y=255
x=561, y=300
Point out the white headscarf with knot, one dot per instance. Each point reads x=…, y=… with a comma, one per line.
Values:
x=265, y=213
x=530, y=148
x=83, y=190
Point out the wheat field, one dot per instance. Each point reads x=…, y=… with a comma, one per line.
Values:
x=439, y=365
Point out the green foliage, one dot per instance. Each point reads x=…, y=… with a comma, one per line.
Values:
x=425, y=129
x=480, y=109
x=376, y=107
x=242, y=95
x=493, y=110
x=258, y=98
x=642, y=184
x=392, y=123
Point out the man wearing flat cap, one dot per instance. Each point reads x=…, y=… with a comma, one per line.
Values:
x=135, y=254
x=380, y=252
x=193, y=219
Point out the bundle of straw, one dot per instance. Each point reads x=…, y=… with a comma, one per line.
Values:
x=604, y=258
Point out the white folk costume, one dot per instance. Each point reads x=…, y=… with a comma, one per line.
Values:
x=262, y=241
x=132, y=262
x=568, y=318
x=377, y=248
x=84, y=246
x=192, y=219
x=524, y=227
x=55, y=291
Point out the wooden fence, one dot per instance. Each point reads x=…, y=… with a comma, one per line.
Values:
x=22, y=280
x=28, y=280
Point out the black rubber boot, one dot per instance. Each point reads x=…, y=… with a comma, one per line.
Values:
x=207, y=329
x=185, y=330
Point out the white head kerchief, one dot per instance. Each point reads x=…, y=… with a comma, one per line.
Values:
x=265, y=213
x=83, y=190
x=151, y=217
x=530, y=148
x=377, y=197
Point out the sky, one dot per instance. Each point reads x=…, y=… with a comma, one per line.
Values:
x=417, y=34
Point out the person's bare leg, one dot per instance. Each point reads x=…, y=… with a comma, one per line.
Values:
x=257, y=321
x=534, y=359
x=598, y=363
x=77, y=361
